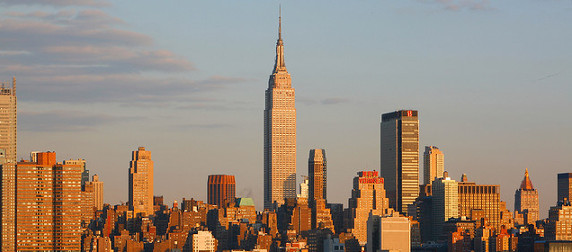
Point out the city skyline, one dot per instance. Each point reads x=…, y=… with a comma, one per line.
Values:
x=225, y=105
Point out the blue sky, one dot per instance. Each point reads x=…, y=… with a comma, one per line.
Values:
x=186, y=79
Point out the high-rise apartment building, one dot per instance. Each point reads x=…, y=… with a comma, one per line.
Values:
x=97, y=192
x=433, y=164
x=279, y=133
x=48, y=196
x=8, y=119
x=445, y=204
x=141, y=182
x=221, y=189
x=526, y=201
x=400, y=157
x=368, y=196
x=388, y=233
x=564, y=187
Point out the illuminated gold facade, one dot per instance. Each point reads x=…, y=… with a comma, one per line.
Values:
x=526, y=201
x=433, y=164
x=48, y=205
x=279, y=133
x=141, y=182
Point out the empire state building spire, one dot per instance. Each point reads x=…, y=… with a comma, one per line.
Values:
x=279, y=65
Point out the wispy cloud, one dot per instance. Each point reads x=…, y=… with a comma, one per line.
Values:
x=457, y=5
x=75, y=56
x=66, y=120
x=59, y=3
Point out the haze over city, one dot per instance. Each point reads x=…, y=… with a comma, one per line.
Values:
x=97, y=79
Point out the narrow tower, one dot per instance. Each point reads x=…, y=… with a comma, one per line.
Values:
x=526, y=201
x=141, y=182
x=8, y=119
x=279, y=132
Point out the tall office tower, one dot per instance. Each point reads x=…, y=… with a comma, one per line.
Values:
x=400, y=157
x=141, y=182
x=445, y=204
x=279, y=133
x=559, y=222
x=368, y=196
x=321, y=216
x=433, y=164
x=98, y=192
x=48, y=196
x=221, y=190
x=478, y=201
x=304, y=188
x=8, y=119
x=564, y=186
x=317, y=172
x=526, y=201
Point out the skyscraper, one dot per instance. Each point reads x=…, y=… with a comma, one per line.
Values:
x=48, y=204
x=368, y=196
x=98, y=192
x=526, y=201
x=141, y=182
x=400, y=157
x=8, y=119
x=445, y=204
x=317, y=169
x=433, y=164
x=564, y=187
x=279, y=132
x=321, y=216
x=221, y=189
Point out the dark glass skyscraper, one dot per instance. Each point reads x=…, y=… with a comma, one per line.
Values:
x=399, y=157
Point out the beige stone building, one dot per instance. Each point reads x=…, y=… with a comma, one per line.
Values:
x=368, y=196
x=279, y=133
x=526, y=201
x=141, y=182
x=8, y=123
x=389, y=233
x=433, y=164
x=98, y=192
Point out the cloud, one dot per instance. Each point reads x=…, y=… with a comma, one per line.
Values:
x=334, y=100
x=457, y=5
x=325, y=101
x=70, y=56
x=66, y=120
x=58, y=3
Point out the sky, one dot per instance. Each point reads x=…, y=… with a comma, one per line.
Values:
x=96, y=79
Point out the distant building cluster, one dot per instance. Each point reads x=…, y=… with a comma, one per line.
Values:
x=49, y=205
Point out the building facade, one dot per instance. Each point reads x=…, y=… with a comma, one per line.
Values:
x=317, y=166
x=480, y=201
x=98, y=192
x=564, y=187
x=526, y=201
x=8, y=123
x=141, y=182
x=368, y=196
x=400, y=157
x=221, y=189
x=279, y=133
x=389, y=233
x=433, y=164
x=48, y=205
x=445, y=204
x=559, y=224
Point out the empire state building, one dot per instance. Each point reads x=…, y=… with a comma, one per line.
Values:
x=279, y=133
